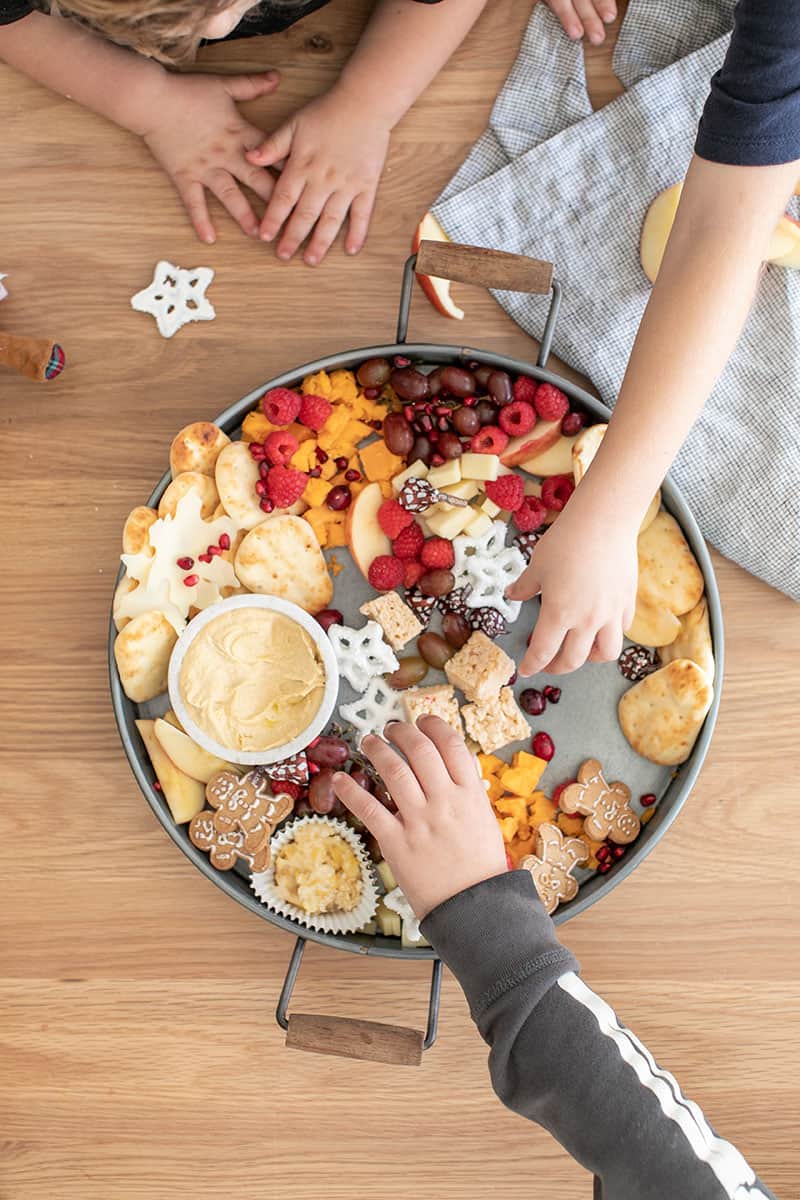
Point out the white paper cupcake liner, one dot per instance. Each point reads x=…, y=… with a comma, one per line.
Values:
x=263, y=882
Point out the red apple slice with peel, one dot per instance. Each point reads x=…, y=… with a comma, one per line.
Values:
x=365, y=538
x=527, y=445
x=555, y=460
x=437, y=290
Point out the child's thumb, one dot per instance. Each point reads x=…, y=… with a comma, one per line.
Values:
x=523, y=588
x=248, y=87
x=273, y=149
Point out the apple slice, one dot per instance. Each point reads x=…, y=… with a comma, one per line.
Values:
x=173, y=720
x=187, y=756
x=365, y=537
x=587, y=443
x=784, y=246
x=656, y=229
x=437, y=290
x=527, y=445
x=555, y=460
x=185, y=796
x=652, y=512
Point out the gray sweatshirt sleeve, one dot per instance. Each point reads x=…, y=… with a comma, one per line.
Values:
x=559, y=1055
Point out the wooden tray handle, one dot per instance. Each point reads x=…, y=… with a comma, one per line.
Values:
x=348, y=1037
x=487, y=268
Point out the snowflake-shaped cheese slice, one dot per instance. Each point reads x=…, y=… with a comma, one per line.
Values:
x=379, y=705
x=362, y=654
x=176, y=297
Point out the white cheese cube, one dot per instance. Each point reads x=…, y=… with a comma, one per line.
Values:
x=479, y=524
x=417, y=470
x=490, y=508
x=465, y=488
x=449, y=524
x=480, y=466
x=449, y=472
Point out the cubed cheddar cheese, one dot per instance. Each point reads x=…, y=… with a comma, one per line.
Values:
x=540, y=808
x=378, y=462
x=570, y=824
x=508, y=828
x=318, y=384
x=523, y=778
x=255, y=427
x=519, y=848
x=490, y=764
x=305, y=457
x=315, y=492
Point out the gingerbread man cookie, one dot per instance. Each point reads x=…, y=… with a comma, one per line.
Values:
x=552, y=864
x=224, y=848
x=246, y=804
x=606, y=806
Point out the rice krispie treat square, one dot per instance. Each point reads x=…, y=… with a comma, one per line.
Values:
x=496, y=723
x=480, y=668
x=394, y=617
x=436, y=701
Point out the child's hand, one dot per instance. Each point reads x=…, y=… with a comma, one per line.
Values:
x=332, y=150
x=584, y=16
x=587, y=578
x=200, y=138
x=445, y=837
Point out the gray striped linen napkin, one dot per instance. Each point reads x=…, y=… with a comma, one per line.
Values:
x=554, y=180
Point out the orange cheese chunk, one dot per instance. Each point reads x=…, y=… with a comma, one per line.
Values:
x=379, y=462
x=315, y=492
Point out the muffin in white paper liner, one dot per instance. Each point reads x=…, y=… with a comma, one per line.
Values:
x=263, y=882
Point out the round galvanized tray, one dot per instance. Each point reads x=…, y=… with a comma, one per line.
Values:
x=583, y=725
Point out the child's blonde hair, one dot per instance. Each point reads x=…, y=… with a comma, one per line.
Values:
x=168, y=30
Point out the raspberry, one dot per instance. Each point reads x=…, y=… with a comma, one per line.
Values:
x=524, y=388
x=489, y=440
x=550, y=402
x=530, y=514
x=518, y=417
x=285, y=486
x=437, y=553
x=385, y=572
x=280, y=405
x=392, y=518
x=408, y=542
x=279, y=447
x=508, y=491
x=414, y=572
x=287, y=788
x=314, y=411
x=556, y=491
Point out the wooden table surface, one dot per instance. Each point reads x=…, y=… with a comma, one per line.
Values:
x=140, y=1058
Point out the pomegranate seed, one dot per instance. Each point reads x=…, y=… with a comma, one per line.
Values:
x=443, y=424
x=206, y=558
x=647, y=799
x=224, y=541
x=426, y=423
x=213, y=551
x=417, y=427
x=553, y=694
x=543, y=746
x=266, y=505
x=264, y=469
x=372, y=393
x=400, y=360
x=316, y=473
x=186, y=564
x=433, y=436
x=437, y=460
x=603, y=853
x=352, y=476
x=157, y=786
x=261, y=487
x=313, y=768
x=257, y=450
x=443, y=410
x=321, y=456
x=604, y=868
x=470, y=401
x=409, y=413
x=341, y=463
x=512, y=680
x=191, y=580
x=618, y=851
x=376, y=424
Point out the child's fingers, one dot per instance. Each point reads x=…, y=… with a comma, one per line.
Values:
x=590, y=19
x=574, y=651
x=395, y=773
x=565, y=11
x=287, y=191
x=526, y=586
x=457, y=758
x=545, y=643
x=248, y=87
x=607, y=643
x=326, y=228
x=423, y=756
x=304, y=216
x=360, y=216
x=273, y=148
x=257, y=179
x=377, y=818
x=228, y=192
x=193, y=196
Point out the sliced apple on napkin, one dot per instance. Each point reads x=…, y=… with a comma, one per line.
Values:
x=437, y=290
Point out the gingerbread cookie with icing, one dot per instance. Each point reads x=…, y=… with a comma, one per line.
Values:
x=552, y=864
x=224, y=849
x=246, y=803
x=606, y=806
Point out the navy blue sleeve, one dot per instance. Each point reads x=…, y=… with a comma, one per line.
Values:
x=752, y=116
x=14, y=10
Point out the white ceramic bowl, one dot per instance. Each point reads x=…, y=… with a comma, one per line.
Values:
x=321, y=641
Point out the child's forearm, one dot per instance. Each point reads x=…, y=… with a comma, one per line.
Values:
x=698, y=306
x=103, y=77
x=560, y=1057
x=403, y=47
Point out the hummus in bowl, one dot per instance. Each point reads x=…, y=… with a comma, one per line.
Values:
x=253, y=679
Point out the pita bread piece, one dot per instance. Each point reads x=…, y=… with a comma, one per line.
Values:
x=196, y=448
x=142, y=651
x=653, y=624
x=662, y=715
x=669, y=576
x=190, y=481
x=281, y=557
x=693, y=641
x=136, y=529
x=236, y=477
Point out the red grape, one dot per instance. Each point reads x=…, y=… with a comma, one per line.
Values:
x=374, y=372
x=398, y=434
x=457, y=381
x=410, y=384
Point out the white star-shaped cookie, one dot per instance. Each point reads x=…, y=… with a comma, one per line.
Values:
x=176, y=297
